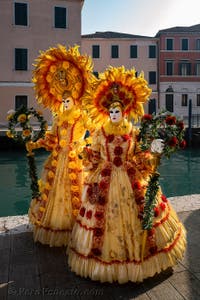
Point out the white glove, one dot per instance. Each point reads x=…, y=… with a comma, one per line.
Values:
x=157, y=146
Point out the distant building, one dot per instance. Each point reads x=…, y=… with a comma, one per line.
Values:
x=179, y=69
x=117, y=49
x=27, y=26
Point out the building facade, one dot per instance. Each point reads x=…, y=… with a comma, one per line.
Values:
x=179, y=69
x=170, y=60
x=26, y=27
x=132, y=51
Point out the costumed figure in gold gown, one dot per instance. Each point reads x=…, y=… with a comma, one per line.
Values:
x=62, y=79
x=109, y=242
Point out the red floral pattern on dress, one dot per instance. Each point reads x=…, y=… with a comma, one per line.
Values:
x=117, y=161
x=110, y=138
x=156, y=211
x=106, y=172
x=162, y=206
x=104, y=183
x=99, y=215
x=126, y=137
x=89, y=214
x=118, y=150
x=136, y=185
x=98, y=231
x=82, y=211
x=164, y=198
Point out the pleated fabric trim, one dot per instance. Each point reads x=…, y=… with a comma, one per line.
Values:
x=124, y=271
x=53, y=238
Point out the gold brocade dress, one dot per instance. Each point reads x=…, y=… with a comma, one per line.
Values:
x=53, y=212
x=106, y=241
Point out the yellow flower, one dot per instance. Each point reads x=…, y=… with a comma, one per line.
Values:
x=76, y=202
x=47, y=186
x=40, y=182
x=72, y=154
x=49, y=78
x=74, y=188
x=65, y=64
x=63, y=143
x=53, y=68
x=9, y=134
x=54, y=163
x=51, y=174
x=72, y=165
x=44, y=197
x=9, y=117
x=54, y=153
x=72, y=176
x=26, y=132
x=42, y=209
x=21, y=118
x=75, y=212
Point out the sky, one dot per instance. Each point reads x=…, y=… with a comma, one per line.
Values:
x=139, y=17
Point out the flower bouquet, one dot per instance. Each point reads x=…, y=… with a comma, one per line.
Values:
x=21, y=130
x=162, y=134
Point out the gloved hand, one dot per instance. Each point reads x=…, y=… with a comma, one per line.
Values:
x=157, y=146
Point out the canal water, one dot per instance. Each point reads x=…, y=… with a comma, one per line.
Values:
x=178, y=176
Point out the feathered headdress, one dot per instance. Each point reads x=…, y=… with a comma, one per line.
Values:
x=59, y=70
x=117, y=84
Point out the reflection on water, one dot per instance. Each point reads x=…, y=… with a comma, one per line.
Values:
x=179, y=176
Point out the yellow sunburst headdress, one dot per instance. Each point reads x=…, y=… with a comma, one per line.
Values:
x=58, y=70
x=117, y=84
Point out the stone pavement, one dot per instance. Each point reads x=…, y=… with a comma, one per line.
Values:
x=30, y=270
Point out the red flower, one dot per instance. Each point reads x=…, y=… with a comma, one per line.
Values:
x=162, y=206
x=89, y=214
x=89, y=191
x=103, y=184
x=180, y=124
x=173, y=142
x=151, y=232
x=139, y=200
x=110, y=138
x=170, y=120
x=96, y=251
x=117, y=161
x=136, y=185
x=82, y=211
x=126, y=137
x=183, y=144
x=118, y=150
x=147, y=117
x=164, y=198
x=99, y=215
x=156, y=211
x=131, y=171
x=106, y=172
x=102, y=200
x=98, y=231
